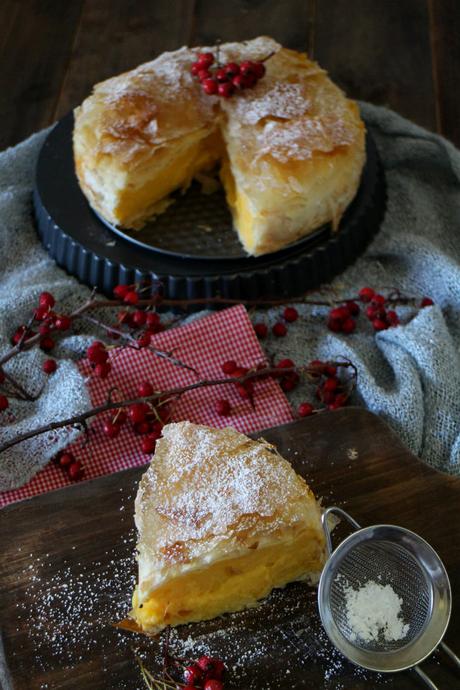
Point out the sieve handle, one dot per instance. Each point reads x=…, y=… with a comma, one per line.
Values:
x=421, y=674
x=450, y=654
x=342, y=513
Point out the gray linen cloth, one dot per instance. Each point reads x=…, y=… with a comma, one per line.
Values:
x=410, y=375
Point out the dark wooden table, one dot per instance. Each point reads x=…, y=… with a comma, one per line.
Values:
x=401, y=53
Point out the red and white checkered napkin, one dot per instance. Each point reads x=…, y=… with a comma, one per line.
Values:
x=204, y=345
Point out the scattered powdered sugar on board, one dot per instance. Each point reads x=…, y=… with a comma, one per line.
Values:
x=374, y=612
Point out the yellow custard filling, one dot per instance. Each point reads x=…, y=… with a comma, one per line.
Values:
x=230, y=585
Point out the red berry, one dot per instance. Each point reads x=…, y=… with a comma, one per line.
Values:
x=285, y=364
x=142, y=428
x=221, y=76
x=372, y=313
x=63, y=322
x=213, y=684
x=44, y=328
x=327, y=397
x=339, y=314
x=102, y=370
x=353, y=308
x=66, y=459
x=18, y=335
x=258, y=69
x=120, y=417
x=232, y=69
x=152, y=319
x=238, y=82
x=240, y=371
x=247, y=67
x=120, y=291
x=192, y=674
x=223, y=408
x=41, y=313
x=339, y=401
x=249, y=81
x=110, y=429
x=330, y=385
x=2, y=376
x=330, y=370
x=46, y=299
x=139, y=318
x=245, y=390
x=49, y=366
x=378, y=300
x=426, y=302
x=305, y=409
x=291, y=314
x=226, y=89
x=261, y=330
x=379, y=325
x=124, y=317
x=210, y=86
x=145, y=389
x=205, y=59
x=137, y=412
x=195, y=68
x=203, y=74
x=131, y=297
x=229, y=366
x=144, y=339
x=288, y=383
x=211, y=666
x=4, y=404
x=318, y=366
x=75, y=471
x=349, y=325
x=392, y=317
x=334, y=325
x=148, y=444
x=46, y=343
x=366, y=294
x=97, y=354
x=279, y=329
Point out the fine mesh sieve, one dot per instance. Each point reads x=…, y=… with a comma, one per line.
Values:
x=386, y=555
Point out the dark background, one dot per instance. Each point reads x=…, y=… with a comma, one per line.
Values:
x=401, y=53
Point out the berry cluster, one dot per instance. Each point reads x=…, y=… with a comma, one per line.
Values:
x=342, y=319
x=46, y=321
x=245, y=390
x=224, y=80
x=144, y=323
x=279, y=329
x=70, y=465
x=329, y=388
x=146, y=419
x=206, y=673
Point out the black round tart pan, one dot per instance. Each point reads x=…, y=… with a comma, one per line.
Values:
x=191, y=248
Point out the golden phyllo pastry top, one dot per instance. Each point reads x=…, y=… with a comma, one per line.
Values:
x=210, y=494
x=291, y=149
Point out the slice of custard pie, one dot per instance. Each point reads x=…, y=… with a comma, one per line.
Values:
x=222, y=520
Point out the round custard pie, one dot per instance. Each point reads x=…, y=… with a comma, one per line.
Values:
x=290, y=150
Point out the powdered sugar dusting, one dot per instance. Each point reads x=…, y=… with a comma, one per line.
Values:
x=271, y=98
x=209, y=488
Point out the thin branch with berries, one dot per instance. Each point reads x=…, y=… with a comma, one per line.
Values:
x=138, y=407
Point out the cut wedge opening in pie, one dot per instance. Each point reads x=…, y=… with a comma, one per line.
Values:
x=222, y=520
x=290, y=150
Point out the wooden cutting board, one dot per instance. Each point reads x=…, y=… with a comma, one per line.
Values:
x=67, y=569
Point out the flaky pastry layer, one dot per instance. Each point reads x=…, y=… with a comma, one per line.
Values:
x=291, y=149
